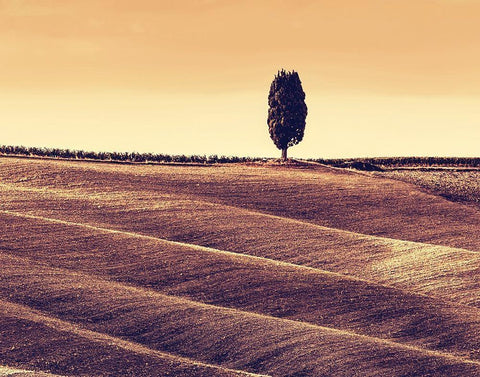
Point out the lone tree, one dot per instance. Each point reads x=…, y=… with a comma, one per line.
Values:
x=287, y=112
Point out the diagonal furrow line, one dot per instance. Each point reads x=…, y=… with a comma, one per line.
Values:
x=7, y=371
x=248, y=257
x=24, y=312
x=274, y=262
x=356, y=235
x=232, y=310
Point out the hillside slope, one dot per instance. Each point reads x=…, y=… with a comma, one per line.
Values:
x=408, y=265
x=34, y=341
x=208, y=333
x=239, y=281
x=325, y=196
x=231, y=270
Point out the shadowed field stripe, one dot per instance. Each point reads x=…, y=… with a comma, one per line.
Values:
x=183, y=244
x=402, y=205
x=384, y=261
x=225, y=279
x=236, y=254
x=140, y=291
x=24, y=312
x=358, y=236
x=225, y=252
x=325, y=228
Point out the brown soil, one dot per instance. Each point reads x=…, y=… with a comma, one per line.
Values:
x=279, y=270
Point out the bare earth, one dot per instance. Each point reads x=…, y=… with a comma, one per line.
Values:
x=233, y=270
x=455, y=184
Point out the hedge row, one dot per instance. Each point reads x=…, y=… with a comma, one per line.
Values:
x=407, y=161
x=119, y=156
x=203, y=159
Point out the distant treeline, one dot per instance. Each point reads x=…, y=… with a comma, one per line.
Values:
x=203, y=159
x=406, y=161
x=119, y=156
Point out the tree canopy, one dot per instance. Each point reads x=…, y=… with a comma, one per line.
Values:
x=287, y=111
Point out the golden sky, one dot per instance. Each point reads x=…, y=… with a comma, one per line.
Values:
x=382, y=77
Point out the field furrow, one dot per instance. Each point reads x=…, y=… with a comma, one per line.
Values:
x=34, y=341
x=433, y=270
x=227, y=270
x=90, y=307
x=244, y=282
x=14, y=372
x=330, y=197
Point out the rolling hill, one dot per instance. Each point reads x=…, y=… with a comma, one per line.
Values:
x=233, y=270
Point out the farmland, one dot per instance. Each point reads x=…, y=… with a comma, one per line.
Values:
x=456, y=184
x=234, y=270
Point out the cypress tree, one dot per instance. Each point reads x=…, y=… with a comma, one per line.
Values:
x=287, y=111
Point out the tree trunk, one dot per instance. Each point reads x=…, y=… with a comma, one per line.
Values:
x=284, y=154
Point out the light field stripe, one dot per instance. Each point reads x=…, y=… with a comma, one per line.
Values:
x=294, y=322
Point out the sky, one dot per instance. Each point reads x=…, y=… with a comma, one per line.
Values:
x=381, y=77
